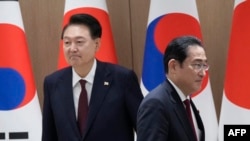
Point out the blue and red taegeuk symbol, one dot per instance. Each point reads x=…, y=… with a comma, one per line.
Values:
x=17, y=86
x=159, y=33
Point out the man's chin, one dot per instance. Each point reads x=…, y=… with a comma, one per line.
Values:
x=74, y=64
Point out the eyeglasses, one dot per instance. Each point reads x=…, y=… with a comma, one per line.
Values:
x=200, y=66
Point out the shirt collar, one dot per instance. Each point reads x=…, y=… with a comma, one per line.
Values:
x=180, y=93
x=89, y=77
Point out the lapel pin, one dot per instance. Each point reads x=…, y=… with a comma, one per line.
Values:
x=106, y=83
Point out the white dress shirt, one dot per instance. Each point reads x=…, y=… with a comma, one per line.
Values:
x=77, y=86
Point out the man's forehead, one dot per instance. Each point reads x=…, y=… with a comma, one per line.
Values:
x=196, y=53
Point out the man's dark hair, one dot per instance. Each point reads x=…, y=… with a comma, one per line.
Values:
x=87, y=20
x=177, y=49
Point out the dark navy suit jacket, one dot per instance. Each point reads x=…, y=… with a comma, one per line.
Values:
x=112, y=109
x=162, y=117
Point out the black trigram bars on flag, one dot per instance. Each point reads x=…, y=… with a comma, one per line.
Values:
x=14, y=135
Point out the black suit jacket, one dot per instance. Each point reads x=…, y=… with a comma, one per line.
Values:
x=162, y=117
x=112, y=109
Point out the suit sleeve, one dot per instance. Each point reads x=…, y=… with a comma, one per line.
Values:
x=133, y=96
x=48, y=125
x=152, y=122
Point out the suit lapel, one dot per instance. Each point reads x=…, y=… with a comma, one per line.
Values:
x=180, y=111
x=197, y=115
x=199, y=120
x=181, y=115
x=65, y=90
x=102, y=83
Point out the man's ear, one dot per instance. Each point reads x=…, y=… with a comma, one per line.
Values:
x=98, y=43
x=172, y=64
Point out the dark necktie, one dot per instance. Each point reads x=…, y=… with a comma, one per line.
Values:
x=82, y=108
x=188, y=110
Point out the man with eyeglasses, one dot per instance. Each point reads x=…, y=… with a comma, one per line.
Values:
x=167, y=113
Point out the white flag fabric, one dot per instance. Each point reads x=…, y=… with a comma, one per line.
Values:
x=235, y=107
x=20, y=113
x=167, y=20
x=98, y=9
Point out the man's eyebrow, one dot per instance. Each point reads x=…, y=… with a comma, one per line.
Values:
x=199, y=60
x=78, y=37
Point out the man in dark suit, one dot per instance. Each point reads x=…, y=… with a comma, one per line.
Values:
x=162, y=115
x=112, y=92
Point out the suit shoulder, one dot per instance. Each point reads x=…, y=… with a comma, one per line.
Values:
x=116, y=68
x=59, y=73
x=160, y=93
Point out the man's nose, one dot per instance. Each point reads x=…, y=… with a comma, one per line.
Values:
x=202, y=72
x=73, y=47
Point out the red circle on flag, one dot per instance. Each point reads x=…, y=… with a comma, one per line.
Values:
x=238, y=68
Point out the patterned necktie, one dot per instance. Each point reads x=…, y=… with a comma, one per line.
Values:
x=188, y=110
x=82, y=108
